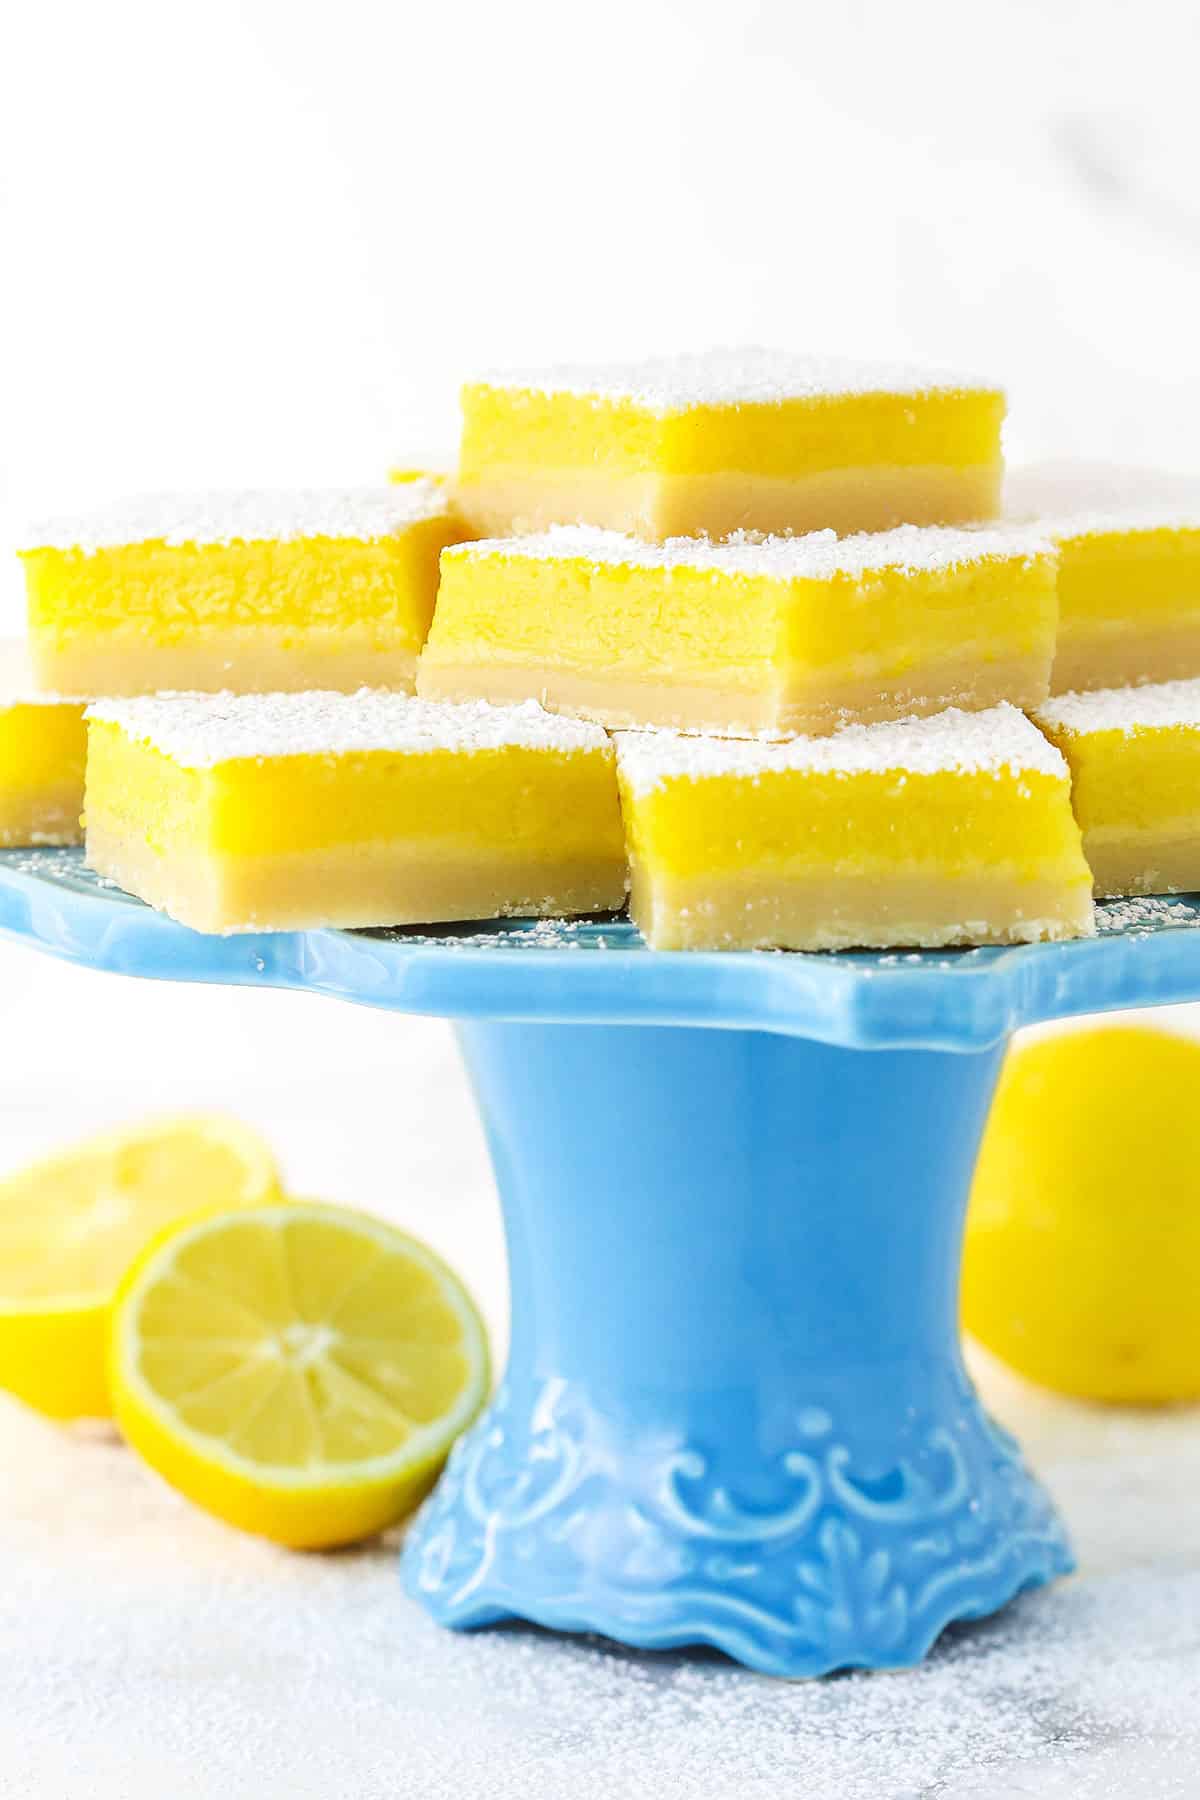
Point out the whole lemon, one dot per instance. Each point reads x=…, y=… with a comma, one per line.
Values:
x=1082, y=1263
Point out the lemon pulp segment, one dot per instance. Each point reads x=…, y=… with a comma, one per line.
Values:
x=71, y=1224
x=299, y=1370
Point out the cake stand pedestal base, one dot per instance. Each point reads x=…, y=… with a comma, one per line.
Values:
x=735, y=1411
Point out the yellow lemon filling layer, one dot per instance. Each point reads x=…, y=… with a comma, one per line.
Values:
x=42, y=746
x=242, y=593
x=1129, y=570
x=785, y=636
x=292, y=811
x=952, y=830
x=518, y=429
x=1129, y=608
x=1134, y=755
x=728, y=440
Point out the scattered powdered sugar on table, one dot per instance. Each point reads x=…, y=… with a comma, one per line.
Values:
x=1125, y=709
x=269, y=515
x=511, y=934
x=989, y=742
x=1143, y=913
x=814, y=556
x=145, y=1649
x=200, y=730
x=731, y=377
x=1085, y=499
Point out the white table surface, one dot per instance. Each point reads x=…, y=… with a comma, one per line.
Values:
x=147, y=1650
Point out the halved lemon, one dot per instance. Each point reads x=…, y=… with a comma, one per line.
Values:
x=299, y=1370
x=71, y=1225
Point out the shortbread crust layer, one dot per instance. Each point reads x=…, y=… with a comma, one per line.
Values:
x=772, y=637
x=49, y=814
x=653, y=508
x=360, y=885
x=42, y=747
x=240, y=592
x=1165, y=860
x=1129, y=605
x=1095, y=658
x=1129, y=570
x=851, y=912
x=1134, y=754
x=254, y=659
x=724, y=441
x=629, y=705
x=293, y=811
x=952, y=830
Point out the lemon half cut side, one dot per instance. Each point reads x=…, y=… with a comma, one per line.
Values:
x=299, y=1370
x=71, y=1224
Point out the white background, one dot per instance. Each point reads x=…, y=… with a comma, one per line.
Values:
x=260, y=242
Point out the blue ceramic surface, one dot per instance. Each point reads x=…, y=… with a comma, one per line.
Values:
x=600, y=974
x=735, y=1411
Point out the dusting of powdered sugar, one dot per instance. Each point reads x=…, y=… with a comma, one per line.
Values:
x=1142, y=913
x=269, y=515
x=1127, y=709
x=147, y=1646
x=731, y=377
x=816, y=556
x=198, y=731
x=1000, y=739
x=1088, y=499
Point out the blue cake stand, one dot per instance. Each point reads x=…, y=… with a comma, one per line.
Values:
x=735, y=1411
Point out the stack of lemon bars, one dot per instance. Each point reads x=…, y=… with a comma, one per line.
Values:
x=766, y=643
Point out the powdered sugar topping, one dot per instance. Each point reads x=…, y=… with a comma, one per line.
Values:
x=200, y=730
x=269, y=515
x=999, y=740
x=816, y=556
x=1087, y=499
x=1141, y=913
x=732, y=377
x=1126, y=709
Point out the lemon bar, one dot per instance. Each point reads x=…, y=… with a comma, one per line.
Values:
x=779, y=636
x=42, y=745
x=242, y=592
x=1135, y=766
x=285, y=811
x=725, y=441
x=950, y=830
x=410, y=472
x=1129, y=570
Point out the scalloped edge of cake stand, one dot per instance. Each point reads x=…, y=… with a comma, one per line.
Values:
x=598, y=972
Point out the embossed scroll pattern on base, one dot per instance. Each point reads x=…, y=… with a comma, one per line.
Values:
x=835, y=1560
